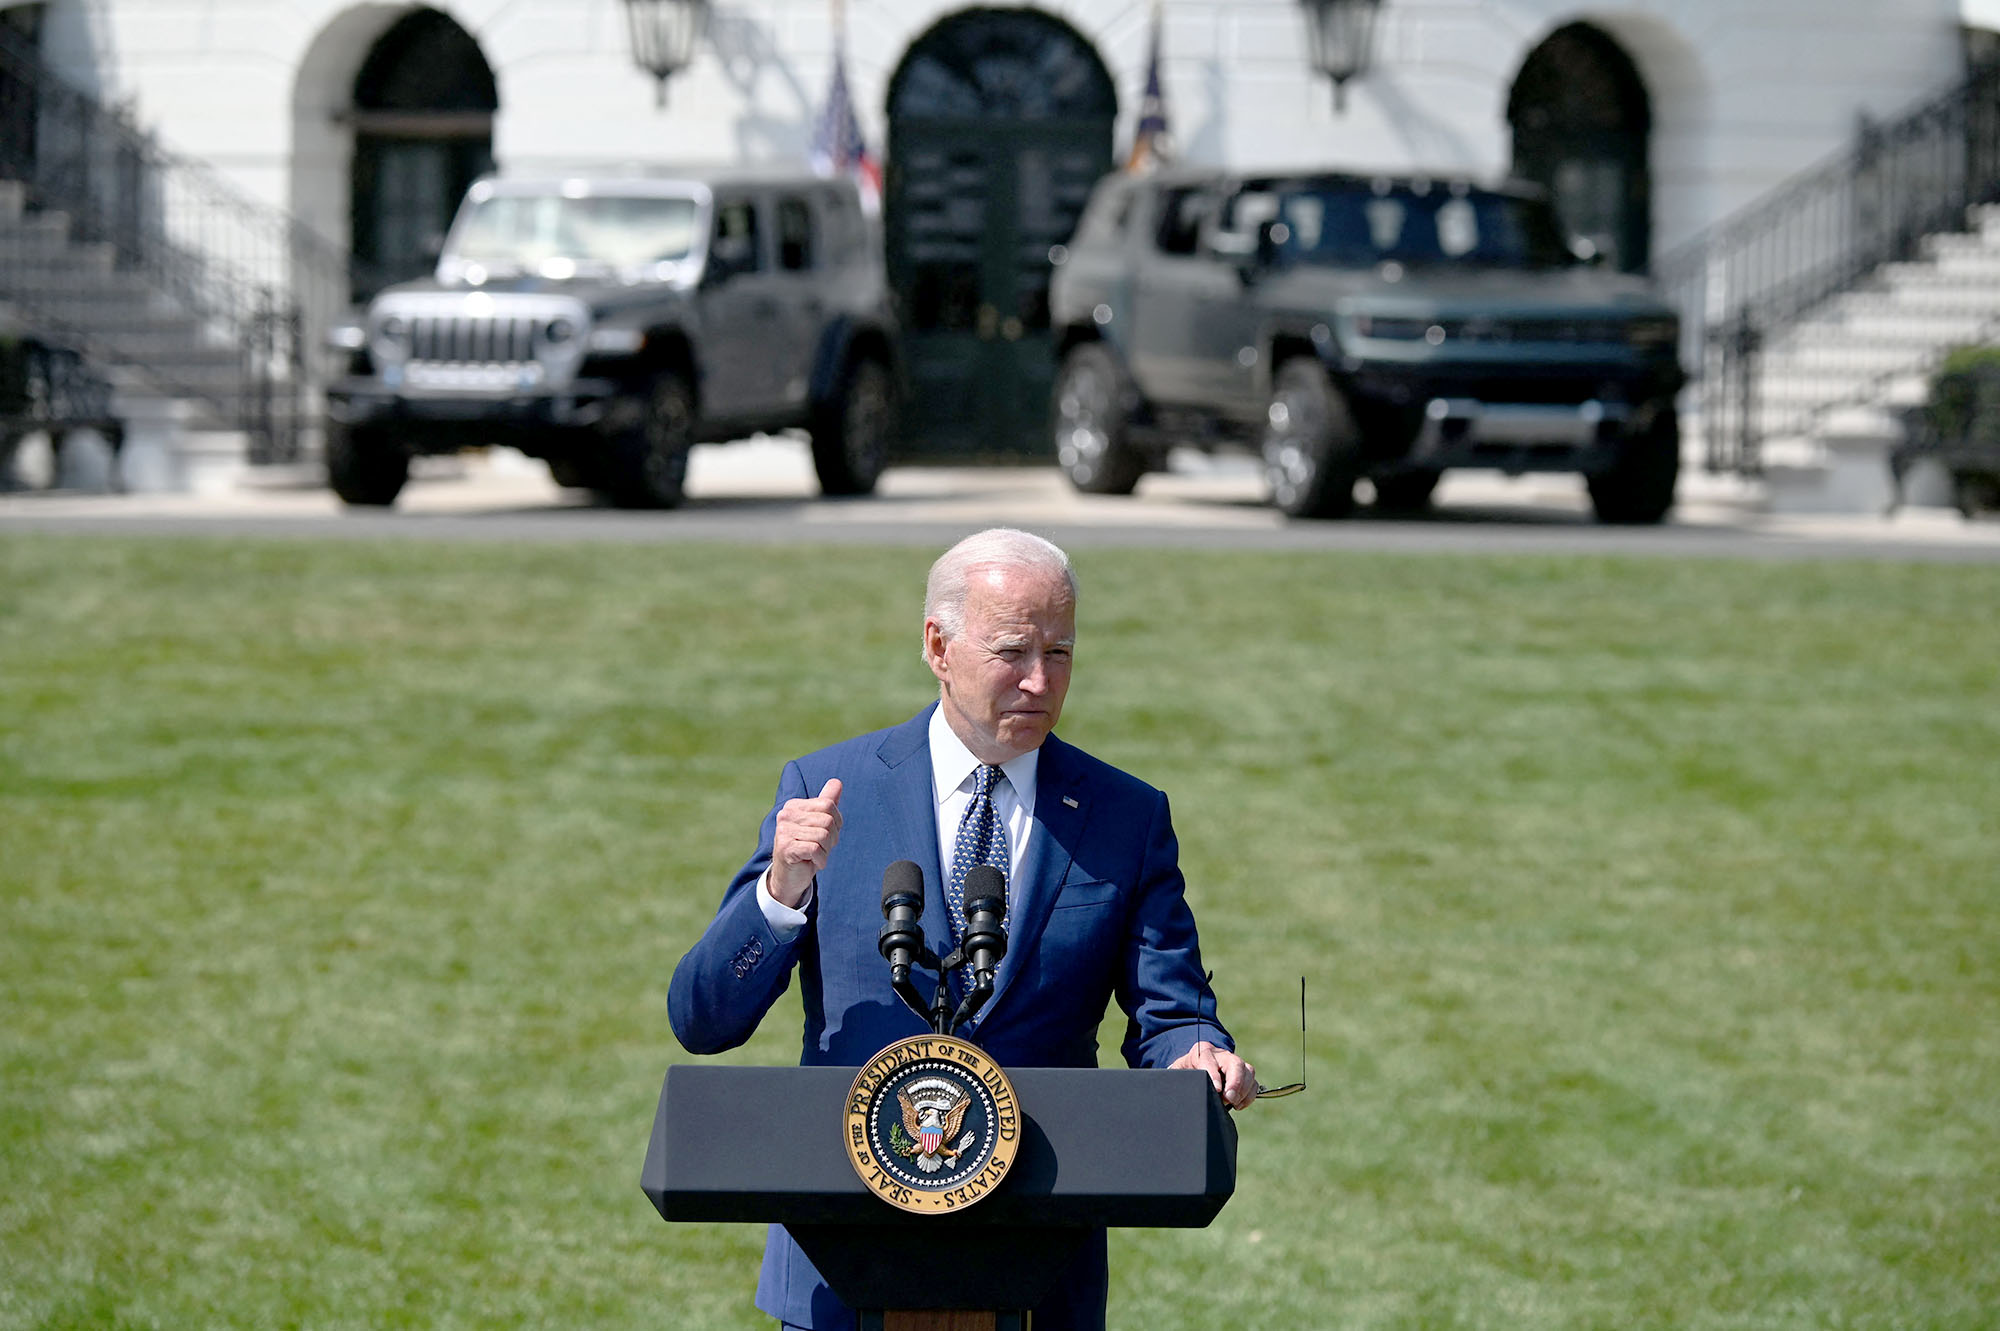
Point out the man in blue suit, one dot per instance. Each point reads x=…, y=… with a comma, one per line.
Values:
x=1096, y=908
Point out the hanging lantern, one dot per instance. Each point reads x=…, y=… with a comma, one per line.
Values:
x=1342, y=37
x=663, y=35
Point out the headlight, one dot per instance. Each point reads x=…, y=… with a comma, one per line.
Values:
x=617, y=341
x=558, y=332
x=1391, y=327
x=392, y=330
x=1652, y=333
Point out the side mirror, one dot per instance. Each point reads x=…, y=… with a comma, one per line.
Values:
x=1239, y=248
x=1232, y=244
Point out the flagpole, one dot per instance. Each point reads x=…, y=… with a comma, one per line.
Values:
x=1149, y=146
x=838, y=147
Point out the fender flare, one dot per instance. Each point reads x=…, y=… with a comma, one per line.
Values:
x=836, y=342
x=1076, y=335
x=1293, y=337
x=669, y=344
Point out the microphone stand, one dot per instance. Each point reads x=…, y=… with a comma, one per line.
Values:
x=906, y=989
x=975, y=998
x=939, y=1014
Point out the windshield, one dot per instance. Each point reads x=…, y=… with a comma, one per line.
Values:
x=529, y=231
x=1354, y=226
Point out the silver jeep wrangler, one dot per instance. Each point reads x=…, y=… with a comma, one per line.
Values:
x=607, y=325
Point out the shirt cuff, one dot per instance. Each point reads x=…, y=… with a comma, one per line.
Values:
x=785, y=922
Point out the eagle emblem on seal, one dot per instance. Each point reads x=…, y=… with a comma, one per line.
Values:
x=933, y=1112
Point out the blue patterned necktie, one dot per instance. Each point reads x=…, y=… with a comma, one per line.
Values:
x=981, y=840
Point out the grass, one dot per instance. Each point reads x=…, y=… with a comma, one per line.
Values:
x=1647, y=905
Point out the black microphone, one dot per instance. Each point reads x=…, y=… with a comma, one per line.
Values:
x=985, y=940
x=902, y=940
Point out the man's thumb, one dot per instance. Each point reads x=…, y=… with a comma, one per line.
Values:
x=831, y=790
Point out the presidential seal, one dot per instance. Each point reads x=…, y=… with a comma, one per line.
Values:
x=932, y=1124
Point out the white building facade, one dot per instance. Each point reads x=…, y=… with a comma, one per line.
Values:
x=1739, y=94
x=1649, y=120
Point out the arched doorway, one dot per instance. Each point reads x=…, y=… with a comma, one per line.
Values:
x=999, y=123
x=1581, y=121
x=21, y=39
x=423, y=131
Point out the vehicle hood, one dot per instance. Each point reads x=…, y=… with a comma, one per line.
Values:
x=1488, y=292
x=604, y=299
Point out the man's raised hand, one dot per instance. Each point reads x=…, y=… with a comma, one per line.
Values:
x=808, y=830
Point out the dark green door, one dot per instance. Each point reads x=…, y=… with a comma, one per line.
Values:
x=1000, y=122
x=423, y=131
x=406, y=190
x=1581, y=121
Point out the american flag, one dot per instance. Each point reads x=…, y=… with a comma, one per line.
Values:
x=1151, y=143
x=838, y=148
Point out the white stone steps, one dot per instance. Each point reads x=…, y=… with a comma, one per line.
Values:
x=29, y=237
x=1804, y=388
x=1908, y=334
x=1833, y=392
x=1927, y=277
x=1981, y=262
x=1942, y=301
x=1846, y=358
x=61, y=284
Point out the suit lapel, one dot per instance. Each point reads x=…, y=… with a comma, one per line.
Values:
x=909, y=804
x=1060, y=814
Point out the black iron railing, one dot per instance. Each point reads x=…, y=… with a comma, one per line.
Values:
x=151, y=263
x=1745, y=286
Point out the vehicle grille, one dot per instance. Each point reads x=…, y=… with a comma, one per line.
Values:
x=1572, y=331
x=468, y=340
x=1541, y=389
x=1538, y=385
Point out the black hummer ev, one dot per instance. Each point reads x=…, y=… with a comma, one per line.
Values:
x=1348, y=327
x=609, y=325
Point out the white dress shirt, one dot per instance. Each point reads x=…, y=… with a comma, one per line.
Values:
x=952, y=771
x=952, y=768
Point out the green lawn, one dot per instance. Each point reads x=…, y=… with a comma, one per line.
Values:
x=1649, y=908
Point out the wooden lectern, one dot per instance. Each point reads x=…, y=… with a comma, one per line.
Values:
x=1100, y=1147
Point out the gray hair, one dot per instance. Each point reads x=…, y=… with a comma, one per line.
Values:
x=997, y=547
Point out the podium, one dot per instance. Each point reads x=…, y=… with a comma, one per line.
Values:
x=1099, y=1147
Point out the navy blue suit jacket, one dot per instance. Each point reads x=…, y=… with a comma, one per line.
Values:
x=1099, y=912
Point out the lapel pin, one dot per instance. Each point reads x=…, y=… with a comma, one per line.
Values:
x=1070, y=800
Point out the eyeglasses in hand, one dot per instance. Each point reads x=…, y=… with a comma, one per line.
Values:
x=1264, y=1092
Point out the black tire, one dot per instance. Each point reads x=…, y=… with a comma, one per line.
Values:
x=1639, y=488
x=1974, y=492
x=570, y=473
x=1312, y=446
x=1407, y=491
x=1091, y=417
x=852, y=432
x=365, y=467
x=648, y=464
